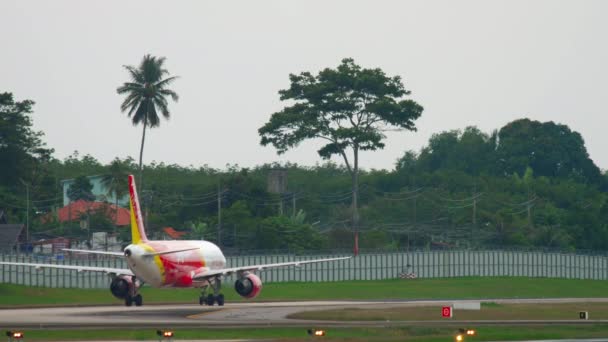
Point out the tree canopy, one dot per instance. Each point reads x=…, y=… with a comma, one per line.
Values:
x=81, y=189
x=550, y=149
x=528, y=184
x=22, y=151
x=349, y=108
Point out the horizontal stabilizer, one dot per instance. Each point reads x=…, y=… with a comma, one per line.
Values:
x=170, y=252
x=78, y=268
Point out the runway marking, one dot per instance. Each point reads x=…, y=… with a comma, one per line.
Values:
x=195, y=316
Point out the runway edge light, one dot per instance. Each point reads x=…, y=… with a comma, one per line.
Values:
x=469, y=332
x=316, y=332
x=164, y=334
x=17, y=335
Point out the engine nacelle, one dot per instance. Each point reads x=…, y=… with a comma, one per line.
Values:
x=121, y=287
x=248, y=286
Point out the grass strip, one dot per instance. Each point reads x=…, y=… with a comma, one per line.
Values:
x=553, y=311
x=394, y=289
x=418, y=334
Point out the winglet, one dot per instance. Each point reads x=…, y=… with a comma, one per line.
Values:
x=138, y=233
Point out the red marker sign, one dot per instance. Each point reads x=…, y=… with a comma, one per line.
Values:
x=446, y=312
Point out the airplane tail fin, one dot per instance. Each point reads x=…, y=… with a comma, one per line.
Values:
x=138, y=232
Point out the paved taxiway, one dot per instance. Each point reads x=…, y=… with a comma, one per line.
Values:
x=252, y=314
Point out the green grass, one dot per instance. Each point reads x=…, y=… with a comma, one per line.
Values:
x=445, y=288
x=418, y=334
x=509, y=312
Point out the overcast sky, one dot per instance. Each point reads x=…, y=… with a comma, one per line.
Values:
x=482, y=63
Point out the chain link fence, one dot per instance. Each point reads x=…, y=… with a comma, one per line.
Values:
x=367, y=266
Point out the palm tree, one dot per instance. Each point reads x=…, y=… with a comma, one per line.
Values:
x=146, y=93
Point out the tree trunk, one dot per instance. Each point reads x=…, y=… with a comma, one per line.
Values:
x=141, y=152
x=115, y=211
x=355, y=203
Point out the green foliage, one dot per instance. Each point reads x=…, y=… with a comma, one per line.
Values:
x=147, y=91
x=22, y=152
x=24, y=159
x=198, y=231
x=281, y=233
x=81, y=189
x=116, y=180
x=299, y=218
x=348, y=107
x=527, y=185
x=550, y=149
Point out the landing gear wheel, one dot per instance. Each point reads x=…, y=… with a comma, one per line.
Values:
x=138, y=300
x=128, y=300
x=210, y=300
x=220, y=300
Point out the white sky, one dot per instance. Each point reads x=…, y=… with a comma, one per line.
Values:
x=482, y=63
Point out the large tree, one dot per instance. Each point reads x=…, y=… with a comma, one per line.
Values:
x=550, y=149
x=146, y=94
x=22, y=151
x=81, y=189
x=115, y=181
x=349, y=108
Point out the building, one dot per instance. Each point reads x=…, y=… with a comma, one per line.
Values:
x=75, y=211
x=11, y=236
x=100, y=192
x=172, y=234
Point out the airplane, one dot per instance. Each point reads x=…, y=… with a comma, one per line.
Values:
x=173, y=263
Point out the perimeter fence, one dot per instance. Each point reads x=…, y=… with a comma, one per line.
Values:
x=365, y=266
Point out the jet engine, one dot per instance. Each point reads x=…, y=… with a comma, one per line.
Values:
x=121, y=286
x=248, y=286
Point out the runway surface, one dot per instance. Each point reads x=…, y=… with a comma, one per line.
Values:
x=254, y=314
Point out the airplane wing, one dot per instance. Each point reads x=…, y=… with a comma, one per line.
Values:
x=118, y=254
x=107, y=270
x=121, y=254
x=170, y=251
x=228, y=271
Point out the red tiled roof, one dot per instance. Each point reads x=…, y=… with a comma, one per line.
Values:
x=74, y=211
x=174, y=234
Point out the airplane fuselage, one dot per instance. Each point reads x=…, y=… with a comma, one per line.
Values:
x=174, y=269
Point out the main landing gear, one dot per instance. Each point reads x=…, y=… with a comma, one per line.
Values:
x=216, y=297
x=137, y=300
x=133, y=297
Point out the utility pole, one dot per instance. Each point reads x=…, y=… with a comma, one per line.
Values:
x=219, y=214
x=474, y=211
x=293, y=205
x=27, y=212
x=475, y=204
x=415, y=209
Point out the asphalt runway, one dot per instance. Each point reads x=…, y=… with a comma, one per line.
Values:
x=253, y=314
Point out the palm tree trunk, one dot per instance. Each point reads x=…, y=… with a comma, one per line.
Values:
x=141, y=152
x=115, y=211
x=355, y=187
